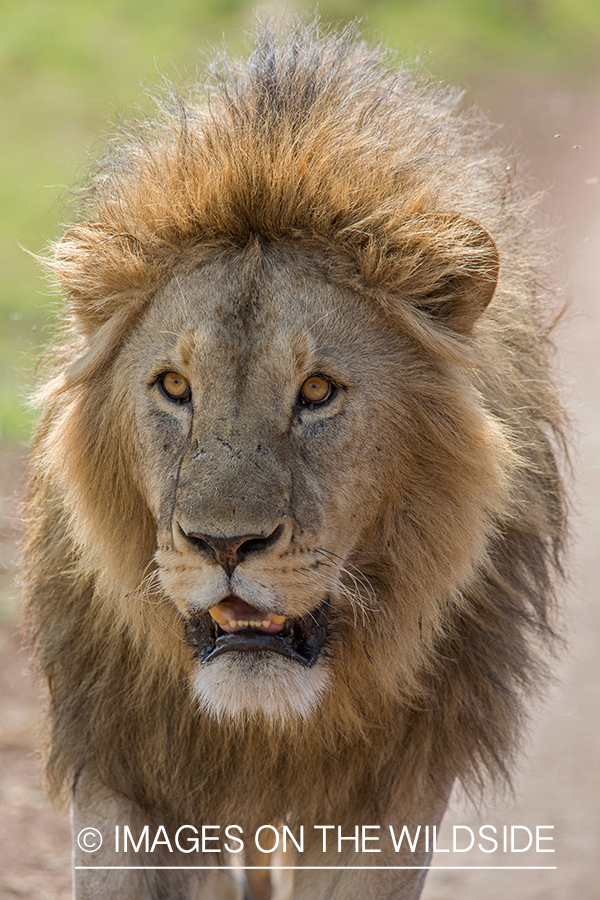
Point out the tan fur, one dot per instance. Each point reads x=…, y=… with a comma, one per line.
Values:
x=311, y=209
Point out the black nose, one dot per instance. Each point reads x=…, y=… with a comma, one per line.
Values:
x=230, y=551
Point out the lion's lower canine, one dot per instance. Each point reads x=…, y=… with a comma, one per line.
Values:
x=294, y=509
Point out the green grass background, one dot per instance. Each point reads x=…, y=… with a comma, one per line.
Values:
x=69, y=66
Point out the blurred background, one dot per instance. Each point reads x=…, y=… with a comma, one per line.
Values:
x=69, y=68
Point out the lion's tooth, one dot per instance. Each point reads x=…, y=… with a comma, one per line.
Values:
x=221, y=619
x=218, y=615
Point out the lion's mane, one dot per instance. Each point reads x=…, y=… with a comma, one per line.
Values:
x=313, y=143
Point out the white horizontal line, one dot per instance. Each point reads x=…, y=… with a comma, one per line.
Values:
x=314, y=868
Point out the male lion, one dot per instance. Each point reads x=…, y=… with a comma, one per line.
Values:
x=294, y=510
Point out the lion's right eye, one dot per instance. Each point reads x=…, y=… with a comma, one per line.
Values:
x=175, y=387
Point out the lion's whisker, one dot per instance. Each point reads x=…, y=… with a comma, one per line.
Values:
x=361, y=584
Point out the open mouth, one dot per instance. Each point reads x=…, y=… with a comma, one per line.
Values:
x=235, y=625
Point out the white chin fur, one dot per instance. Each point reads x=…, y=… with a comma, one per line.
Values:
x=240, y=685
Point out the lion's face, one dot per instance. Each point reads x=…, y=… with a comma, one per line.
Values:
x=256, y=389
x=269, y=408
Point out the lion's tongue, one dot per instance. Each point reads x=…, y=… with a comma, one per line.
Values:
x=233, y=614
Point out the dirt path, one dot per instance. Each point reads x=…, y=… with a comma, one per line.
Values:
x=560, y=780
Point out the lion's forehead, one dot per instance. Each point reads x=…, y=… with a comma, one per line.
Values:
x=229, y=318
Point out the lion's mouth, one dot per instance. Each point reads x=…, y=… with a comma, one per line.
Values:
x=235, y=625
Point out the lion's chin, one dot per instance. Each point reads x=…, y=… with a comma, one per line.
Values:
x=239, y=686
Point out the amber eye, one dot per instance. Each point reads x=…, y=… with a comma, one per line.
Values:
x=175, y=386
x=316, y=390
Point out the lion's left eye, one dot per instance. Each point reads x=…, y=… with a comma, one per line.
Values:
x=175, y=387
x=316, y=391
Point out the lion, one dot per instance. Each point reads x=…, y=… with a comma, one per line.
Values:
x=295, y=515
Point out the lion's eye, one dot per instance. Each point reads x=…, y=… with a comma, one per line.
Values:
x=175, y=386
x=316, y=390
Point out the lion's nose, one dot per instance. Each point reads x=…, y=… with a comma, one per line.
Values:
x=230, y=551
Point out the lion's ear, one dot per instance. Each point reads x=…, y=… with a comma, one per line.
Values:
x=100, y=272
x=467, y=273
